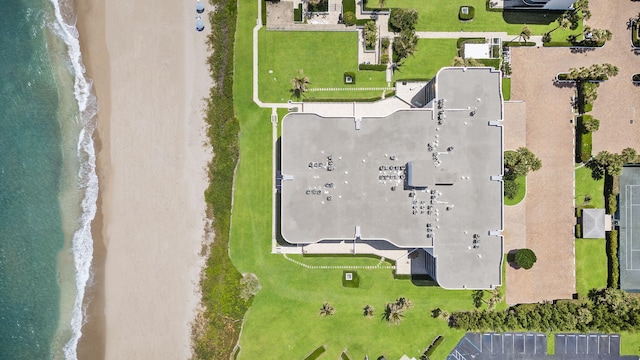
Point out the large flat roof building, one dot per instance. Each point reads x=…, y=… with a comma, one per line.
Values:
x=425, y=178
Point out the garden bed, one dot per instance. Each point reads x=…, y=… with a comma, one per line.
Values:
x=635, y=34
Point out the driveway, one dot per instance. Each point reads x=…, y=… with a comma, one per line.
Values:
x=550, y=220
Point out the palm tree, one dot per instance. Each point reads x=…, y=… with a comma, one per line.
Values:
x=525, y=33
x=327, y=309
x=405, y=44
x=403, y=303
x=477, y=297
x=494, y=299
x=299, y=85
x=368, y=311
x=393, y=313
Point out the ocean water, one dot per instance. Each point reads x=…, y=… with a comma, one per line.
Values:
x=48, y=186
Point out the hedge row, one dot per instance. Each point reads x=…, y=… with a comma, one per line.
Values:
x=517, y=43
x=316, y=353
x=557, y=44
x=373, y=67
x=474, y=40
x=612, y=255
x=297, y=13
x=371, y=99
x=434, y=345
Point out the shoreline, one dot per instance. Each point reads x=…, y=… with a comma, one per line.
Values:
x=129, y=310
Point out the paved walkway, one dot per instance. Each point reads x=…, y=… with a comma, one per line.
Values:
x=354, y=89
x=377, y=266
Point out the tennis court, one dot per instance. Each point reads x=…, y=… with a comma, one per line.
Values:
x=629, y=228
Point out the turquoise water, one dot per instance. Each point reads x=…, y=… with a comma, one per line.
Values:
x=46, y=168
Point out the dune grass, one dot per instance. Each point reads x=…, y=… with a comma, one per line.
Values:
x=323, y=56
x=431, y=55
x=591, y=265
x=587, y=187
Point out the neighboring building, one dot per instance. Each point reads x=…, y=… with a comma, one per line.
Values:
x=551, y=4
x=426, y=181
x=595, y=223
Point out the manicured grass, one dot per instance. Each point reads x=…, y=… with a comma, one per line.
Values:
x=522, y=191
x=300, y=291
x=587, y=186
x=431, y=56
x=442, y=15
x=591, y=265
x=323, y=56
x=629, y=343
x=506, y=88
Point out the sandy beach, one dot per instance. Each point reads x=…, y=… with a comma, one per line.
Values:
x=150, y=76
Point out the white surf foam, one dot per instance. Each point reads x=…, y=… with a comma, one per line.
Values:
x=87, y=179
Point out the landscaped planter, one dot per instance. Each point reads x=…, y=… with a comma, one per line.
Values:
x=466, y=13
x=563, y=78
x=635, y=78
x=635, y=35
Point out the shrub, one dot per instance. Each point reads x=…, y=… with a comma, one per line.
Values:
x=402, y=19
x=612, y=255
x=373, y=67
x=384, y=59
x=349, y=75
x=297, y=13
x=517, y=43
x=510, y=188
x=557, y=44
x=250, y=286
x=320, y=6
x=525, y=258
x=578, y=231
x=316, y=353
x=635, y=77
x=348, y=6
x=384, y=43
x=612, y=203
x=462, y=41
x=434, y=344
x=349, y=18
x=355, y=279
x=470, y=13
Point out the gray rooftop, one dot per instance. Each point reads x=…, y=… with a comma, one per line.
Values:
x=407, y=178
x=593, y=223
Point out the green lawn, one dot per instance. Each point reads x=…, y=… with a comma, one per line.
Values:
x=431, y=55
x=283, y=320
x=323, y=56
x=442, y=15
x=586, y=186
x=522, y=191
x=591, y=265
x=506, y=88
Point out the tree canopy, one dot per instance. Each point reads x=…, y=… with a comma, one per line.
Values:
x=403, y=19
x=610, y=163
x=520, y=162
x=525, y=258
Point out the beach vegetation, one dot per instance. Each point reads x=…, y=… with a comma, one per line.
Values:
x=217, y=327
